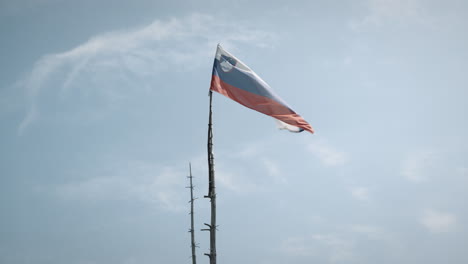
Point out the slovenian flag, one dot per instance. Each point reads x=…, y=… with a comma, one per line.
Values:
x=235, y=80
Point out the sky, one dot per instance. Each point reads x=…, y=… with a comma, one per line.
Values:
x=103, y=105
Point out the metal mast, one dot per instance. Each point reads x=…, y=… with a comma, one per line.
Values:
x=211, y=190
x=192, y=229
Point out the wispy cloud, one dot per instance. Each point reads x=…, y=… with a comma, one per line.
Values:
x=297, y=246
x=418, y=165
x=242, y=175
x=327, y=154
x=132, y=56
x=336, y=248
x=360, y=193
x=236, y=182
x=274, y=171
x=382, y=12
x=438, y=221
x=249, y=168
x=343, y=245
x=134, y=181
x=341, y=249
x=371, y=232
x=463, y=171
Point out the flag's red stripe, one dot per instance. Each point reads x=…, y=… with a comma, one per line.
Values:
x=259, y=103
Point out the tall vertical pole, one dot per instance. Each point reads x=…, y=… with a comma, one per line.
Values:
x=192, y=228
x=211, y=189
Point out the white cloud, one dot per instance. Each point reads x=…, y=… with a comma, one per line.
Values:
x=297, y=246
x=340, y=246
x=463, y=171
x=328, y=155
x=334, y=247
x=136, y=181
x=418, y=166
x=438, y=222
x=371, y=232
x=236, y=182
x=341, y=249
x=360, y=193
x=249, y=168
x=273, y=170
x=242, y=176
x=381, y=12
x=132, y=58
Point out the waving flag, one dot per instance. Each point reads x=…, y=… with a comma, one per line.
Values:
x=235, y=80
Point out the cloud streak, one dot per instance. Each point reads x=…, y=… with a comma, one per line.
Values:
x=335, y=247
x=417, y=167
x=343, y=245
x=360, y=193
x=328, y=155
x=135, y=181
x=383, y=12
x=438, y=222
x=251, y=173
x=131, y=56
x=247, y=169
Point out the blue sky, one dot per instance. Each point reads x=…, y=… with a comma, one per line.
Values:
x=104, y=103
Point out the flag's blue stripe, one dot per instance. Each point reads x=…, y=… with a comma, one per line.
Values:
x=245, y=81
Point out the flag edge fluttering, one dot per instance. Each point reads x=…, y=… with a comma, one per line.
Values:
x=255, y=94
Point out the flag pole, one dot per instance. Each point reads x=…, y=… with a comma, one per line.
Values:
x=211, y=188
x=192, y=228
